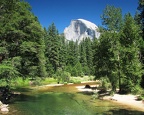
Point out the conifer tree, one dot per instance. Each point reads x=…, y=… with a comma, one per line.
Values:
x=89, y=54
x=130, y=55
x=107, y=55
x=140, y=17
x=21, y=36
x=52, y=48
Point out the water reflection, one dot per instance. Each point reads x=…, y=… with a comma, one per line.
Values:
x=65, y=100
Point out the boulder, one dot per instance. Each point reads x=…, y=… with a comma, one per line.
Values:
x=87, y=86
x=4, y=109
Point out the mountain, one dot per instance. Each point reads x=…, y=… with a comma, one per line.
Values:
x=79, y=29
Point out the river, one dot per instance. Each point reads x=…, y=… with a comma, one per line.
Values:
x=64, y=100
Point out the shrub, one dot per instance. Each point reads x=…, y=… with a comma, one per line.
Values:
x=139, y=98
x=105, y=84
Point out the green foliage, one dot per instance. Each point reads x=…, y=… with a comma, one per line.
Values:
x=19, y=82
x=112, y=18
x=130, y=43
x=95, y=95
x=105, y=83
x=117, y=52
x=8, y=71
x=52, y=46
x=3, y=82
x=63, y=76
x=46, y=81
x=21, y=40
x=26, y=49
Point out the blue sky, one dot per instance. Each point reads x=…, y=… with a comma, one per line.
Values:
x=61, y=12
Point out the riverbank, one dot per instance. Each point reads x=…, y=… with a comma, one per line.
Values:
x=125, y=100
x=129, y=100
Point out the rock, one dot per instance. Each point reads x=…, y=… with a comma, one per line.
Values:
x=3, y=106
x=1, y=103
x=4, y=109
x=80, y=29
x=87, y=86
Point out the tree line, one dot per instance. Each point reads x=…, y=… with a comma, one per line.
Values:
x=29, y=50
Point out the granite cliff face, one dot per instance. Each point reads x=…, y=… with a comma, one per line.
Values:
x=79, y=29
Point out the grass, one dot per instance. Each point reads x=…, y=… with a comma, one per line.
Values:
x=19, y=82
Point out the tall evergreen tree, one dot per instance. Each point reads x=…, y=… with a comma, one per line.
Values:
x=20, y=36
x=62, y=52
x=83, y=59
x=107, y=55
x=52, y=48
x=141, y=15
x=112, y=18
x=72, y=58
x=130, y=55
x=89, y=54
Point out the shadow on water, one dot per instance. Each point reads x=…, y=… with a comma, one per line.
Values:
x=22, y=90
x=123, y=112
x=86, y=93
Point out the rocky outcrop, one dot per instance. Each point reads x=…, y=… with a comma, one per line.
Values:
x=80, y=29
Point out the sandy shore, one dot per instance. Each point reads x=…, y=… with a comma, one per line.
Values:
x=127, y=100
x=130, y=100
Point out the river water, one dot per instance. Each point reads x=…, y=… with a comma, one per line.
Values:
x=65, y=100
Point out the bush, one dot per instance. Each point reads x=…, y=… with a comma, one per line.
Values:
x=19, y=82
x=48, y=81
x=95, y=95
x=137, y=90
x=3, y=82
x=139, y=98
x=105, y=84
x=62, y=76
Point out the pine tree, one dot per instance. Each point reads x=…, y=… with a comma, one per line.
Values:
x=112, y=18
x=89, y=54
x=83, y=59
x=62, y=52
x=106, y=57
x=21, y=37
x=52, y=46
x=72, y=58
x=130, y=55
x=140, y=17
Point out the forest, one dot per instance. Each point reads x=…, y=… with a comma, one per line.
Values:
x=29, y=51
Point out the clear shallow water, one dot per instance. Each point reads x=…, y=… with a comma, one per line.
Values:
x=65, y=100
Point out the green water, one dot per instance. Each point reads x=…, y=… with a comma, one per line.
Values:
x=65, y=100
